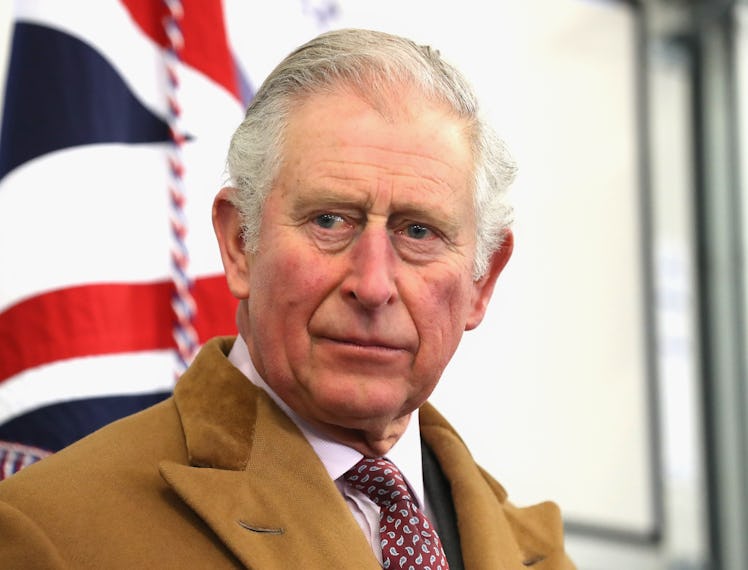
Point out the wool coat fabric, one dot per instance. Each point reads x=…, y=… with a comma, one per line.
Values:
x=218, y=477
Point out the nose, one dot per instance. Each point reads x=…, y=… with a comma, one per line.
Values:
x=371, y=279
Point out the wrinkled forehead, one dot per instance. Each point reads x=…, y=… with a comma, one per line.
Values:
x=402, y=119
x=395, y=101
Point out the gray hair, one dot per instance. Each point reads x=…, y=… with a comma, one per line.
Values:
x=373, y=64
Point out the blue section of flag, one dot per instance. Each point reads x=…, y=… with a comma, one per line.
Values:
x=58, y=425
x=60, y=93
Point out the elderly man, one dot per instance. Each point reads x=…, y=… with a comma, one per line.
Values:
x=363, y=231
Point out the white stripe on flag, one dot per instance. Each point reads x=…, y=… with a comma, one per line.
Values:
x=99, y=214
x=90, y=377
x=87, y=218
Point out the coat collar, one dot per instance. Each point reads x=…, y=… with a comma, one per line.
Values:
x=253, y=478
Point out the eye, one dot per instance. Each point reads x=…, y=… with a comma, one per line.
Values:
x=418, y=232
x=328, y=221
x=419, y=243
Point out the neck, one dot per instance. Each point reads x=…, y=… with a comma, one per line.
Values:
x=373, y=441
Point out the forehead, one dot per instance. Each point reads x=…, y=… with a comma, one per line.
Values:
x=408, y=139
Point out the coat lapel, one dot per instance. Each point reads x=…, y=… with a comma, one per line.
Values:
x=486, y=538
x=254, y=479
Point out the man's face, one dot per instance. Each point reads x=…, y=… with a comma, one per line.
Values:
x=361, y=286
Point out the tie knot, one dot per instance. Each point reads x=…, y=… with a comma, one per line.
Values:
x=380, y=480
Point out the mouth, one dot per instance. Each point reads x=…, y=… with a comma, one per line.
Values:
x=370, y=354
x=366, y=344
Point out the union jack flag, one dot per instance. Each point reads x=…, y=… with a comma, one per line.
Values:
x=116, y=119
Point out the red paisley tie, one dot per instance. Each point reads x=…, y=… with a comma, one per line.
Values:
x=408, y=539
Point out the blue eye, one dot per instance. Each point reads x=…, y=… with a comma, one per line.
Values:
x=328, y=221
x=417, y=231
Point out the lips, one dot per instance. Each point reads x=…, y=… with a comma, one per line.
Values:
x=363, y=354
x=385, y=335
x=366, y=343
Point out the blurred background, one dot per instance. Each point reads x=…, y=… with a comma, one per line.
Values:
x=610, y=373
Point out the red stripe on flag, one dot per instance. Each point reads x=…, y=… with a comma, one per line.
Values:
x=105, y=319
x=206, y=46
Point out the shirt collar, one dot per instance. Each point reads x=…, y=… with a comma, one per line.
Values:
x=337, y=457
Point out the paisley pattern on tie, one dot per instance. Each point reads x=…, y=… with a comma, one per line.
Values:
x=408, y=539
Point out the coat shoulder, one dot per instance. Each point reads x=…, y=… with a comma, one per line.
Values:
x=532, y=535
x=128, y=444
x=103, y=489
x=538, y=529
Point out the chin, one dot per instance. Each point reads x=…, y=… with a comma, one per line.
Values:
x=356, y=412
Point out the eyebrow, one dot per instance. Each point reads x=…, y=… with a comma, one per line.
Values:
x=323, y=196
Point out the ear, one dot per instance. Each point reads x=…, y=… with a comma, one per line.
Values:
x=228, y=227
x=483, y=287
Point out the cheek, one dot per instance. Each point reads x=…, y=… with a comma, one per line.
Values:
x=290, y=286
x=450, y=298
x=304, y=279
x=276, y=266
x=442, y=307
